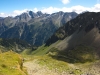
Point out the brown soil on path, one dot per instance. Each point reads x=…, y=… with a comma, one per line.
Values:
x=33, y=68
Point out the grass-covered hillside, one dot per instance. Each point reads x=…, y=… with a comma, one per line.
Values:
x=11, y=63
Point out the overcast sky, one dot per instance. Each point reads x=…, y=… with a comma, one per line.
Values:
x=16, y=7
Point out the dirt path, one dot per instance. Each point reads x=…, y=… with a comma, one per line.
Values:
x=33, y=68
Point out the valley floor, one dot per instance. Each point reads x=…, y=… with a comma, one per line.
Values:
x=37, y=67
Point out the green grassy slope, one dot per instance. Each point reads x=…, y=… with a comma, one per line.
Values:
x=42, y=50
x=11, y=63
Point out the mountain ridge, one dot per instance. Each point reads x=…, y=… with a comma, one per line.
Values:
x=35, y=28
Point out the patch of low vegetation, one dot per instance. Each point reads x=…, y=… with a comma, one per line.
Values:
x=26, y=52
x=80, y=54
x=42, y=50
x=52, y=64
x=83, y=54
x=11, y=63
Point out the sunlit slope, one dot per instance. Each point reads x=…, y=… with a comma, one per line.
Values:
x=11, y=63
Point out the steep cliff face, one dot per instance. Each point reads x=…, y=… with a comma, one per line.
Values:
x=35, y=28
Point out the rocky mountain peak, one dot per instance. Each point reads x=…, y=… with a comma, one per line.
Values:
x=39, y=13
x=35, y=28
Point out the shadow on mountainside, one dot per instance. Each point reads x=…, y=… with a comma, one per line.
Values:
x=82, y=42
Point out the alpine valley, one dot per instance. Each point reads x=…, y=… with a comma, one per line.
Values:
x=50, y=44
x=77, y=43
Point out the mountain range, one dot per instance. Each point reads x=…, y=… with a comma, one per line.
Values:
x=34, y=28
x=70, y=42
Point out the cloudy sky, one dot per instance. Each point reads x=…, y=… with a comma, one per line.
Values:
x=16, y=7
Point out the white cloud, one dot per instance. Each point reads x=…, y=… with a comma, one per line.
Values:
x=96, y=8
x=18, y=12
x=78, y=9
x=3, y=15
x=50, y=10
x=14, y=13
x=35, y=9
x=65, y=1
